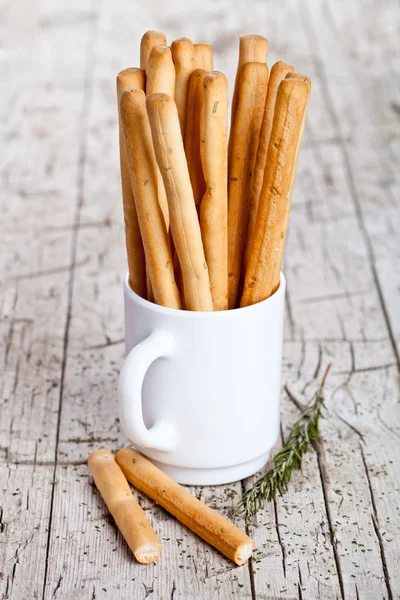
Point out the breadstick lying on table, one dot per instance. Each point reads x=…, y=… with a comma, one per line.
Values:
x=134, y=247
x=246, y=132
x=214, y=205
x=204, y=521
x=128, y=515
x=290, y=106
x=150, y=39
x=252, y=48
x=161, y=78
x=278, y=72
x=143, y=170
x=203, y=57
x=277, y=270
x=170, y=154
x=183, y=55
x=192, y=134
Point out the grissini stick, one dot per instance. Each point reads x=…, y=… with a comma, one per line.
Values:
x=252, y=93
x=203, y=520
x=278, y=72
x=252, y=48
x=134, y=246
x=214, y=205
x=277, y=270
x=161, y=78
x=203, y=57
x=192, y=134
x=290, y=106
x=170, y=154
x=128, y=515
x=160, y=71
x=150, y=39
x=183, y=55
x=143, y=169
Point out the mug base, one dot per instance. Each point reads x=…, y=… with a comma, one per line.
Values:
x=216, y=476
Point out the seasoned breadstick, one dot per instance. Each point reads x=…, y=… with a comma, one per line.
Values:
x=131, y=78
x=203, y=57
x=150, y=39
x=278, y=72
x=252, y=48
x=200, y=518
x=192, y=134
x=214, y=205
x=277, y=270
x=291, y=102
x=142, y=165
x=161, y=78
x=170, y=154
x=183, y=54
x=128, y=515
x=252, y=94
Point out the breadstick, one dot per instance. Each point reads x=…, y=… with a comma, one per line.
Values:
x=277, y=270
x=142, y=165
x=203, y=57
x=128, y=515
x=214, y=205
x=278, y=72
x=291, y=102
x=183, y=54
x=252, y=94
x=252, y=48
x=160, y=71
x=170, y=154
x=192, y=134
x=200, y=518
x=161, y=78
x=131, y=78
x=150, y=39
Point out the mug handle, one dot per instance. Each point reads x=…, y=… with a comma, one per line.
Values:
x=162, y=436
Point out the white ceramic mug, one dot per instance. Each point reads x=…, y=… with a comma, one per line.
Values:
x=199, y=391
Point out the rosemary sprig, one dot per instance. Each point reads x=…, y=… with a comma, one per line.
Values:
x=305, y=431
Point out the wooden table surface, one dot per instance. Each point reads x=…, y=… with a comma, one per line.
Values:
x=336, y=533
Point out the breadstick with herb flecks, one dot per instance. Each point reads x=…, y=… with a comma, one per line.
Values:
x=170, y=154
x=192, y=134
x=203, y=57
x=214, y=205
x=127, y=513
x=252, y=48
x=161, y=78
x=278, y=72
x=290, y=106
x=277, y=271
x=143, y=170
x=207, y=523
x=131, y=78
x=252, y=94
x=150, y=39
x=183, y=56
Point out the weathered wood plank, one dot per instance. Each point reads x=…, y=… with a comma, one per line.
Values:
x=40, y=106
x=364, y=119
x=25, y=497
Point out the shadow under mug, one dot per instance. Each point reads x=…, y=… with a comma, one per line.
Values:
x=199, y=392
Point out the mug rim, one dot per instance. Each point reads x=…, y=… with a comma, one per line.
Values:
x=185, y=314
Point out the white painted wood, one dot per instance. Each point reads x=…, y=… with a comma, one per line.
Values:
x=62, y=262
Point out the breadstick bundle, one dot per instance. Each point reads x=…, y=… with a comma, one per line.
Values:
x=206, y=219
